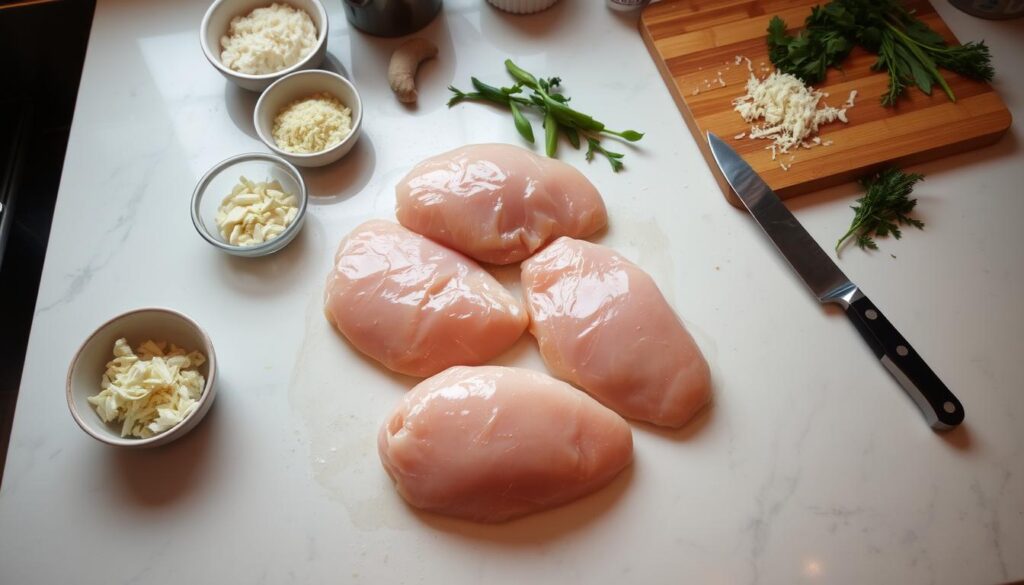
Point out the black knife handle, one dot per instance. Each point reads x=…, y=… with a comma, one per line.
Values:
x=940, y=407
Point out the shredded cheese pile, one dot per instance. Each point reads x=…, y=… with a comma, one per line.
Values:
x=149, y=390
x=255, y=212
x=789, y=109
x=268, y=40
x=312, y=124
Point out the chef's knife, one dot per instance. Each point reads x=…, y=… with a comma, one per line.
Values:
x=940, y=407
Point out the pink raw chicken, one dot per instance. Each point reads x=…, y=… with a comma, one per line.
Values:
x=415, y=306
x=498, y=203
x=603, y=325
x=492, y=443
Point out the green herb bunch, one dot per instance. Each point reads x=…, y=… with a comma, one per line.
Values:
x=545, y=97
x=908, y=50
x=885, y=206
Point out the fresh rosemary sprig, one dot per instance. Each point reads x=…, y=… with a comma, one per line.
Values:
x=553, y=106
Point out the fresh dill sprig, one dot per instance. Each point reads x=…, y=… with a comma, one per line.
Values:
x=885, y=207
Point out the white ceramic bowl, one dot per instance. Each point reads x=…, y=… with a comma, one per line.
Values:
x=136, y=326
x=215, y=25
x=222, y=178
x=522, y=6
x=300, y=85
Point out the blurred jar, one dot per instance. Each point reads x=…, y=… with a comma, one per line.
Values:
x=991, y=9
x=390, y=18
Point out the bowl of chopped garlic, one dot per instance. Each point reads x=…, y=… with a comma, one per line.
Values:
x=255, y=42
x=143, y=378
x=250, y=204
x=310, y=118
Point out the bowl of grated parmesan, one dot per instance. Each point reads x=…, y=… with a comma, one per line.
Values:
x=256, y=42
x=309, y=118
x=144, y=378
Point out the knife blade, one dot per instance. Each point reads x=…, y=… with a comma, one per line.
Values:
x=827, y=282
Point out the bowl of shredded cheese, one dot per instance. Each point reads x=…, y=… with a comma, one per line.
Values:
x=250, y=204
x=143, y=378
x=255, y=42
x=310, y=118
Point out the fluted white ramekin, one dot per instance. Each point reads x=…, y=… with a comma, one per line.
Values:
x=522, y=6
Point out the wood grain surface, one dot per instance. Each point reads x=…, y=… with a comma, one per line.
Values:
x=696, y=44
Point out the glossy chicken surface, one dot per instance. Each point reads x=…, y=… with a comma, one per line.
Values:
x=416, y=306
x=492, y=443
x=498, y=203
x=603, y=324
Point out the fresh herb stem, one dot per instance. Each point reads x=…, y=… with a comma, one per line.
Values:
x=550, y=134
x=630, y=135
x=908, y=50
x=521, y=75
x=917, y=50
x=523, y=125
x=594, y=146
x=558, y=117
x=572, y=135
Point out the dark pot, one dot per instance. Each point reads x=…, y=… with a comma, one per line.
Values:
x=390, y=18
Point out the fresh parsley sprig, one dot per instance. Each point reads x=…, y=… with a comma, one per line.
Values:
x=908, y=50
x=558, y=117
x=885, y=206
x=810, y=53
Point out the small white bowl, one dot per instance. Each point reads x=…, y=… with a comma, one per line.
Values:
x=522, y=6
x=222, y=178
x=300, y=85
x=136, y=326
x=215, y=25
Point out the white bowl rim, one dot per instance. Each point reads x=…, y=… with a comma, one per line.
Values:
x=269, y=141
x=214, y=60
x=211, y=360
x=246, y=157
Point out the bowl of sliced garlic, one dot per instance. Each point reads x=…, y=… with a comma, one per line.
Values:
x=250, y=205
x=144, y=378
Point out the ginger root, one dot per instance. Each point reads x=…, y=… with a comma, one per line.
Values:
x=402, y=69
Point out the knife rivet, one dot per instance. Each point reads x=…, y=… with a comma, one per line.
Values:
x=949, y=407
x=902, y=350
x=871, y=314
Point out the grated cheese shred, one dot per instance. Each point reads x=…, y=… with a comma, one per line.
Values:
x=313, y=124
x=149, y=390
x=268, y=39
x=789, y=109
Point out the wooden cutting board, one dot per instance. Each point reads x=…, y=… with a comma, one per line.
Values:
x=697, y=43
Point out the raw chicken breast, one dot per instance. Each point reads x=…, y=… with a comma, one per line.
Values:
x=492, y=443
x=498, y=203
x=415, y=306
x=603, y=325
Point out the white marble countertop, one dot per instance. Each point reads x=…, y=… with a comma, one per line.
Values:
x=812, y=465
